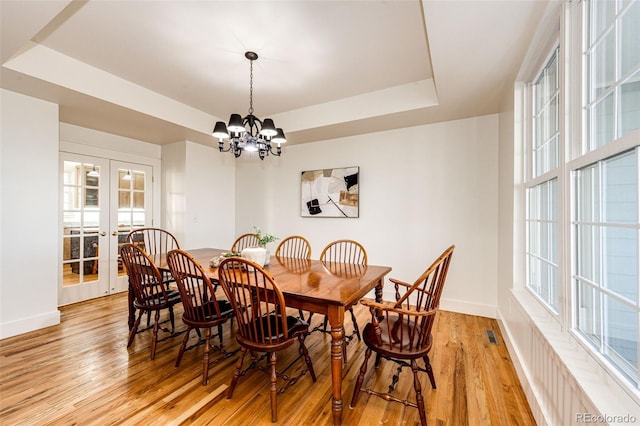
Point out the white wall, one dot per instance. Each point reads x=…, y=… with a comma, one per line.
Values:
x=28, y=220
x=421, y=190
x=199, y=191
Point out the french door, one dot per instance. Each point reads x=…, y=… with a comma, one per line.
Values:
x=102, y=200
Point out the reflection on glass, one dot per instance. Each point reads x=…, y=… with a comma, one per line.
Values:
x=601, y=16
x=589, y=316
x=138, y=200
x=124, y=199
x=70, y=176
x=71, y=197
x=629, y=36
x=69, y=277
x=91, y=197
x=138, y=181
x=297, y=266
x=620, y=195
x=621, y=336
x=122, y=182
x=71, y=248
x=138, y=219
x=621, y=261
x=602, y=122
x=603, y=65
x=345, y=270
x=124, y=219
x=629, y=104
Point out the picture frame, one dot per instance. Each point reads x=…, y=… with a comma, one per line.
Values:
x=330, y=192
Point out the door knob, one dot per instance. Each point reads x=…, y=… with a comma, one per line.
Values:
x=103, y=233
x=114, y=233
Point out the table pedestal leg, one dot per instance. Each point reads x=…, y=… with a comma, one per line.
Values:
x=336, y=319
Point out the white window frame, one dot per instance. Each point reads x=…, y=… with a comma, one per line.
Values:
x=572, y=157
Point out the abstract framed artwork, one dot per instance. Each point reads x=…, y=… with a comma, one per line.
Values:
x=330, y=192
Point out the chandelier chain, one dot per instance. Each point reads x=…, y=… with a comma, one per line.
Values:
x=251, y=87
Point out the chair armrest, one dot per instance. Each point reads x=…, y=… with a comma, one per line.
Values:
x=370, y=303
x=390, y=307
x=402, y=283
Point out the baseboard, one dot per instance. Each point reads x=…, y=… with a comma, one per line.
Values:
x=25, y=325
x=468, y=308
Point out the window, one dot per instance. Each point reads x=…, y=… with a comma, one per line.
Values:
x=606, y=261
x=612, y=60
x=542, y=191
x=606, y=192
x=582, y=181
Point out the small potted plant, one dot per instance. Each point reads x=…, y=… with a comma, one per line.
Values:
x=263, y=240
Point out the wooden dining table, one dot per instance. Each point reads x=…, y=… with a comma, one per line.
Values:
x=314, y=286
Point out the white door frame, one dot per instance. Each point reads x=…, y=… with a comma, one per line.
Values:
x=81, y=148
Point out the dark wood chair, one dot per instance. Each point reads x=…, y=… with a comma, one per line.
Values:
x=263, y=323
x=202, y=310
x=244, y=241
x=400, y=331
x=154, y=241
x=341, y=257
x=294, y=247
x=149, y=292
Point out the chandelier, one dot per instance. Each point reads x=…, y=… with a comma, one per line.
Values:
x=250, y=133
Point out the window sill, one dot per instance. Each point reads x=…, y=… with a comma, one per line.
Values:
x=604, y=392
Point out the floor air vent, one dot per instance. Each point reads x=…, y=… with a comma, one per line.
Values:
x=491, y=337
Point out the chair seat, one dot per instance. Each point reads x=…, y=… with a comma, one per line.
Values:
x=158, y=302
x=295, y=328
x=226, y=311
x=400, y=338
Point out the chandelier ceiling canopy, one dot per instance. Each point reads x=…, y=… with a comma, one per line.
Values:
x=249, y=133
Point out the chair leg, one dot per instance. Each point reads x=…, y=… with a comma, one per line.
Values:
x=171, y=316
x=183, y=347
x=355, y=324
x=418, y=389
x=154, y=340
x=377, y=364
x=205, y=361
x=274, y=388
x=300, y=314
x=236, y=373
x=134, y=329
x=363, y=371
x=326, y=322
x=305, y=353
x=220, y=334
x=427, y=365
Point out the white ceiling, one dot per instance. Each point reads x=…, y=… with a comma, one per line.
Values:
x=163, y=71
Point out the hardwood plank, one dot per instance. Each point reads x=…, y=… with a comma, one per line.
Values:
x=80, y=372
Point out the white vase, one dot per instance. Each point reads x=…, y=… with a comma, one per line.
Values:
x=255, y=254
x=267, y=256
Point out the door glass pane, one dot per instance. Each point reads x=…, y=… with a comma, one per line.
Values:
x=81, y=221
x=131, y=204
x=138, y=200
x=138, y=181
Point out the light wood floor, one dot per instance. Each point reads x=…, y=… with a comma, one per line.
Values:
x=80, y=372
